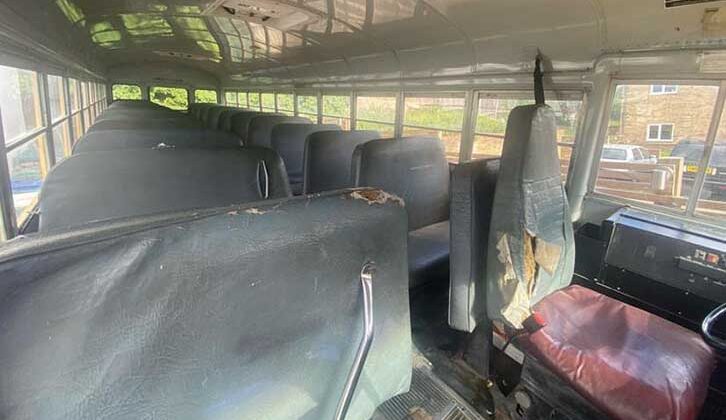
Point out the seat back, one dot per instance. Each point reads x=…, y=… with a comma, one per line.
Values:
x=239, y=123
x=214, y=115
x=95, y=141
x=204, y=113
x=471, y=198
x=288, y=140
x=107, y=185
x=158, y=124
x=531, y=247
x=413, y=168
x=225, y=118
x=227, y=313
x=327, y=159
x=261, y=126
x=196, y=109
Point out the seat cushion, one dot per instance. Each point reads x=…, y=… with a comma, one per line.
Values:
x=428, y=254
x=629, y=363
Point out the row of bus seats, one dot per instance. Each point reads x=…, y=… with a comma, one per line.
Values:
x=323, y=157
x=160, y=236
x=202, y=240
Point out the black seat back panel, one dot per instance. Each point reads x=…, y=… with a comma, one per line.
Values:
x=413, y=168
x=248, y=312
x=327, y=159
x=105, y=185
x=100, y=140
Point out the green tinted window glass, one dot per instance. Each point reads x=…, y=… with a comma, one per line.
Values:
x=170, y=97
x=126, y=92
x=205, y=96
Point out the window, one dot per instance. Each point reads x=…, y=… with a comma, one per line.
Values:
x=286, y=103
x=205, y=96
x=230, y=98
x=663, y=89
x=712, y=199
x=254, y=101
x=61, y=141
x=75, y=97
x=121, y=92
x=307, y=106
x=170, y=97
x=56, y=97
x=493, y=111
x=336, y=110
x=614, y=154
x=242, y=100
x=267, y=101
x=662, y=163
x=660, y=132
x=27, y=165
x=376, y=113
x=20, y=103
x=440, y=116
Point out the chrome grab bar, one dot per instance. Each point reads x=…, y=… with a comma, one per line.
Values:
x=708, y=324
x=366, y=279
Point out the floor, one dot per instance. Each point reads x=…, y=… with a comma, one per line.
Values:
x=444, y=386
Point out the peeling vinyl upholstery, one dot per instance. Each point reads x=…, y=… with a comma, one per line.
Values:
x=472, y=195
x=531, y=250
x=142, y=138
x=327, y=159
x=178, y=316
x=288, y=140
x=261, y=127
x=414, y=169
x=108, y=185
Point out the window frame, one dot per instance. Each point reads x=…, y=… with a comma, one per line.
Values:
x=663, y=90
x=184, y=88
x=192, y=93
x=80, y=101
x=648, y=139
x=459, y=95
x=690, y=211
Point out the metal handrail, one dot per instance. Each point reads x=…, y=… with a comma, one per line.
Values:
x=707, y=325
x=366, y=279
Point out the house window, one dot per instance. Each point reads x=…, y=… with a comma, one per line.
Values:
x=660, y=132
x=663, y=89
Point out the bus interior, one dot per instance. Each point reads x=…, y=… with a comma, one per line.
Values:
x=362, y=209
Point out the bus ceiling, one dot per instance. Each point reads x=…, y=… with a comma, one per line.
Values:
x=285, y=43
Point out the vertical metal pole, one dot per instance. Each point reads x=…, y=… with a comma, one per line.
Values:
x=471, y=104
x=398, y=122
x=81, y=103
x=69, y=110
x=707, y=151
x=294, y=103
x=320, y=106
x=587, y=154
x=45, y=98
x=353, y=109
x=7, y=206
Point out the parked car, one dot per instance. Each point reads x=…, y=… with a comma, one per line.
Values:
x=691, y=150
x=626, y=153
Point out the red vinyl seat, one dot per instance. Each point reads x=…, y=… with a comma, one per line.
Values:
x=627, y=362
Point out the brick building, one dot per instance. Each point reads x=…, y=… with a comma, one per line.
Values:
x=658, y=116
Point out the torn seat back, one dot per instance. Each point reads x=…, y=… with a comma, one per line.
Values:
x=531, y=245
